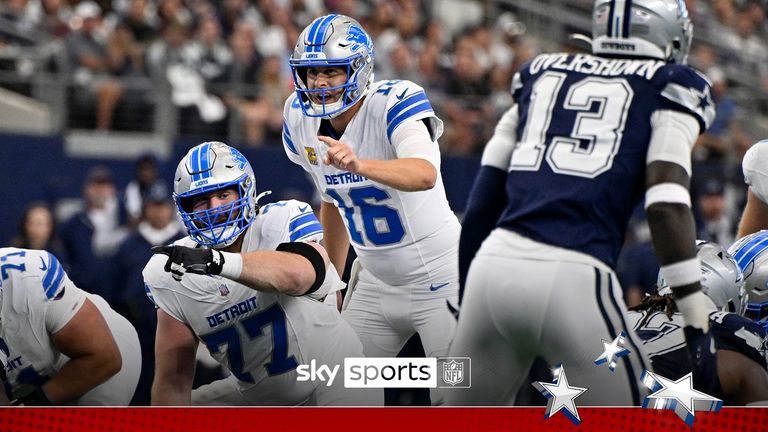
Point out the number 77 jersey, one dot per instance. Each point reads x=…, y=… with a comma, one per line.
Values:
x=585, y=125
x=402, y=238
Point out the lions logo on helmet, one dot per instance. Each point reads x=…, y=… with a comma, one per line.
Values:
x=750, y=253
x=642, y=28
x=208, y=167
x=332, y=41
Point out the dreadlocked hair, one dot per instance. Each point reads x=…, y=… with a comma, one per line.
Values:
x=653, y=303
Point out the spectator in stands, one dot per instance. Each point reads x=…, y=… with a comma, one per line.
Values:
x=144, y=183
x=158, y=226
x=715, y=224
x=92, y=235
x=37, y=230
x=92, y=66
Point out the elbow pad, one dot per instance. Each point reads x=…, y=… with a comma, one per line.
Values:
x=314, y=257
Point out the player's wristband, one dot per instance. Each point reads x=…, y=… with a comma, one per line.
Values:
x=696, y=308
x=232, y=266
x=682, y=273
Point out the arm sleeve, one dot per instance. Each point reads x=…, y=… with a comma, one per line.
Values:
x=65, y=305
x=674, y=134
x=412, y=140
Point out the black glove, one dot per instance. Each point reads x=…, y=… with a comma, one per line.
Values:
x=36, y=397
x=703, y=358
x=182, y=259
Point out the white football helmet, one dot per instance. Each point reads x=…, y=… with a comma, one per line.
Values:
x=642, y=28
x=751, y=254
x=721, y=279
x=208, y=167
x=332, y=41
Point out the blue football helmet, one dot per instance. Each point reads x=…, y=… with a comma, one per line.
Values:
x=751, y=253
x=658, y=29
x=208, y=167
x=332, y=41
x=721, y=279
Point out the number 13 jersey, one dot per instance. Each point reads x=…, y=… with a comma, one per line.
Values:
x=585, y=124
x=402, y=238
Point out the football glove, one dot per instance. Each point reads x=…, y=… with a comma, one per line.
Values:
x=182, y=259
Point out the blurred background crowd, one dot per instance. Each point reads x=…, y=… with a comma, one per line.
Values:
x=175, y=72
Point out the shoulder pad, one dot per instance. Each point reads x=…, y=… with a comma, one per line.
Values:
x=685, y=89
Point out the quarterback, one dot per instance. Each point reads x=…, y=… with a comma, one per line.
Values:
x=371, y=150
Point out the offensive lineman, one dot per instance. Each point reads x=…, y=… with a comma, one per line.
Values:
x=250, y=284
x=62, y=346
x=755, y=167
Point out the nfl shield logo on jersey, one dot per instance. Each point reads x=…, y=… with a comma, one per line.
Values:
x=311, y=155
x=223, y=290
x=455, y=372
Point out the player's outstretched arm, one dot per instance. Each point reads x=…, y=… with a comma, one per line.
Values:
x=94, y=356
x=175, y=348
x=755, y=216
x=743, y=381
x=295, y=268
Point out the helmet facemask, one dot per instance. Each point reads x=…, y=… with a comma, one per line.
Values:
x=207, y=168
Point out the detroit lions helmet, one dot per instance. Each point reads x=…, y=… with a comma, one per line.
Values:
x=642, y=28
x=332, y=41
x=212, y=166
x=751, y=254
x=721, y=278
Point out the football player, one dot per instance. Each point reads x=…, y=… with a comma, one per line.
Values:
x=750, y=252
x=251, y=284
x=740, y=376
x=587, y=137
x=755, y=216
x=371, y=150
x=61, y=345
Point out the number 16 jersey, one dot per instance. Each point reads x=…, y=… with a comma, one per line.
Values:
x=402, y=238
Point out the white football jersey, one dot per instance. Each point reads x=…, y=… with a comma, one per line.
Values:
x=402, y=238
x=755, y=166
x=37, y=299
x=260, y=337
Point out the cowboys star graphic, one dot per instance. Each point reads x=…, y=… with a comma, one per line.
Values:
x=679, y=396
x=561, y=395
x=612, y=351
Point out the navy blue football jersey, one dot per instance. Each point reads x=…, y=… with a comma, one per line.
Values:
x=664, y=341
x=578, y=169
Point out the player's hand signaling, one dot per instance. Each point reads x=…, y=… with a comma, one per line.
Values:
x=182, y=259
x=340, y=155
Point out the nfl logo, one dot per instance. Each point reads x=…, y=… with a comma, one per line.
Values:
x=223, y=290
x=453, y=372
x=311, y=155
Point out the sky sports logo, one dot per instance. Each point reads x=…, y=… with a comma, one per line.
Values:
x=381, y=372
